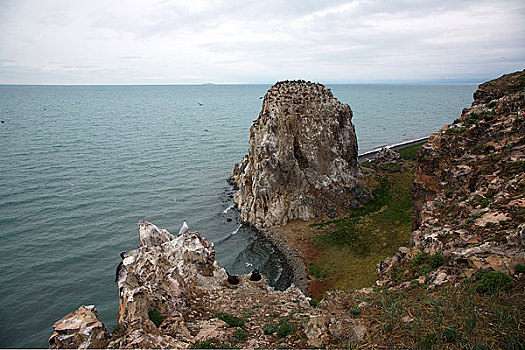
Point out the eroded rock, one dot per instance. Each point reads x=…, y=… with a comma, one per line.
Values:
x=302, y=158
x=79, y=330
x=469, y=187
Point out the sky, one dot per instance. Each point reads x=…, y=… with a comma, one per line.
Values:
x=243, y=41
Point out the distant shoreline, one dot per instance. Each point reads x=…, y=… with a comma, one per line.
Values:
x=371, y=154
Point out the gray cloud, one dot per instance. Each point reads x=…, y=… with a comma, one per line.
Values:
x=260, y=41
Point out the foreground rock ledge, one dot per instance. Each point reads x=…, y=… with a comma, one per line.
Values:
x=180, y=279
x=302, y=158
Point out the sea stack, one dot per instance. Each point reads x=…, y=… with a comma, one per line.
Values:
x=302, y=158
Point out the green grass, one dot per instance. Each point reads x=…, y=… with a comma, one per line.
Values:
x=271, y=328
x=355, y=311
x=240, y=335
x=436, y=260
x=490, y=282
x=231, y=320
x=447, y=317
x=410, y=152
x=316, y=271
x=285, y=329
x=351, y=247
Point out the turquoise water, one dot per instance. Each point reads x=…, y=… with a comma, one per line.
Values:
x=81, y=165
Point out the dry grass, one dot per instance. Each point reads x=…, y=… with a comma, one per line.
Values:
x=447, y=317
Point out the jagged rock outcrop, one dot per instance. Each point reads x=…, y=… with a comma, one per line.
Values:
x=469, y=190
x=80, y=329
x=302, y=158
x=178, y=279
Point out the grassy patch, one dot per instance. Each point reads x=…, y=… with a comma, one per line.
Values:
x=232, y=321
x=316, y=271
x=271, y=328
x=355, y=311
x=350, y=247
x=240, y=335
x=491, y=282
x=410, y=152
x=447, y=317
x=285, y=329
x=436, y=260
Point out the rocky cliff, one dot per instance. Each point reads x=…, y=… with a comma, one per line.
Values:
x=173, y=294
x=302, y=158
x=469, y=190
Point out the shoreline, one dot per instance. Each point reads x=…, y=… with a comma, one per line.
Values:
x=396, y=146
x=292, y=258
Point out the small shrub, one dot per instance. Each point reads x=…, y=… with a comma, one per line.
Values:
x=425, y=269
x=420, y=258
x=485, y=202
x=491, y=282
x=156, y=317
x=285, y=329
x=436, y=260
x=313, y=303
x=271, y=328
x=206, y=344
x=520, y=268
x=450, y=334
x=355, y=311
x=240, y=335
x=232, y=321
x=463, y=225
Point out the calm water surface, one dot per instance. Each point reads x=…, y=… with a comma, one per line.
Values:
x=81, y=165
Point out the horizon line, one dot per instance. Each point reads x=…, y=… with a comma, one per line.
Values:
x=395, y=82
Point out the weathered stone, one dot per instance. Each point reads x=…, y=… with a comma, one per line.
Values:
x=468, y=187
x=386, y=156
x=210, y=329
x=315, y=329
x=302, y=157
x=79, y=330
x=441, y=278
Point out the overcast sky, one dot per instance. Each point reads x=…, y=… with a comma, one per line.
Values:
x=163, y=42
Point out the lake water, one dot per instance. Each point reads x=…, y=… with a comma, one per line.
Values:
x=81, y=165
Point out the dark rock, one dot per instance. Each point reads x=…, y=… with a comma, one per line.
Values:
x=331, y=213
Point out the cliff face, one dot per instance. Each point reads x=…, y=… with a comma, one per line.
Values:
x=173, y=294
x=469, y=190
x=302, y=158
